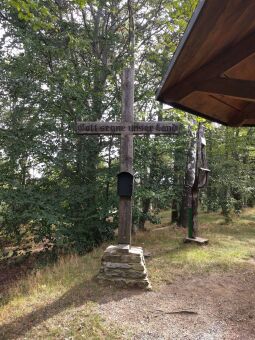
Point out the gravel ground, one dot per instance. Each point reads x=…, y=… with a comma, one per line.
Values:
x=213, y=307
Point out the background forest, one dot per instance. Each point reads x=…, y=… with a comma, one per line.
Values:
x=61, y=62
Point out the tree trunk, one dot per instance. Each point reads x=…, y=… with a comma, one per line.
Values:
x=188, y=183
x=196, y=178
x=145, y=209
x=175, y=212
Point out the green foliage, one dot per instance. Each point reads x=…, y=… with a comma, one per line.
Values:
x=230, y=155
x=37, y=14
x=61, y=63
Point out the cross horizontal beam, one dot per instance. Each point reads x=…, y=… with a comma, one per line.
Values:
x=136, y=128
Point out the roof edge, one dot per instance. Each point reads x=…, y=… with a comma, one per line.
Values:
x=194, y=112
x=182, y=43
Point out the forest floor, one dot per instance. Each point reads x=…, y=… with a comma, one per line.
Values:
x=199, y=292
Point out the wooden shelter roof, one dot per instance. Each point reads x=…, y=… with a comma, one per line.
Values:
x=212, y=73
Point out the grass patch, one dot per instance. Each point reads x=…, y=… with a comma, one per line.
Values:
x=61, y=300
x=58, y=302
x=229, y=246
x=75, y=323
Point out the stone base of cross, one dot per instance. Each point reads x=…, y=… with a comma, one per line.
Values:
x=122, y=263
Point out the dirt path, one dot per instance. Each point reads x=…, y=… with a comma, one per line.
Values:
x=213, y=307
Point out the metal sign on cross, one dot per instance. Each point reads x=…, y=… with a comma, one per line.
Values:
x=126, y=129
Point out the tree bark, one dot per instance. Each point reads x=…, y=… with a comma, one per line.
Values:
x=188, y=182
x=175, y=212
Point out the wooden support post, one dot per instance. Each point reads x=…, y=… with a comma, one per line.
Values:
x=196, y=178
x=126, y=155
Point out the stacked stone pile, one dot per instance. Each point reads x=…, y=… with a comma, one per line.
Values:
x=125, y=266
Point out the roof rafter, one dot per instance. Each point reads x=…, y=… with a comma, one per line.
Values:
x=236, y=88
x=217, y=66
x=239, y=118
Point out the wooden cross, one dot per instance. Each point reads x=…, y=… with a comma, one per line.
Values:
x=126, y=129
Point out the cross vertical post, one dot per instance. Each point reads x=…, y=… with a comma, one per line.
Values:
x=126, y=155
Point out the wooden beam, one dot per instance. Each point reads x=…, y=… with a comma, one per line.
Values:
x=236, y=88
x=230, y=57
x=126, y=155
x=238, y=118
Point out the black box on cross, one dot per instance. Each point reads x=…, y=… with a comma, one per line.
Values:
x=125, y=184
